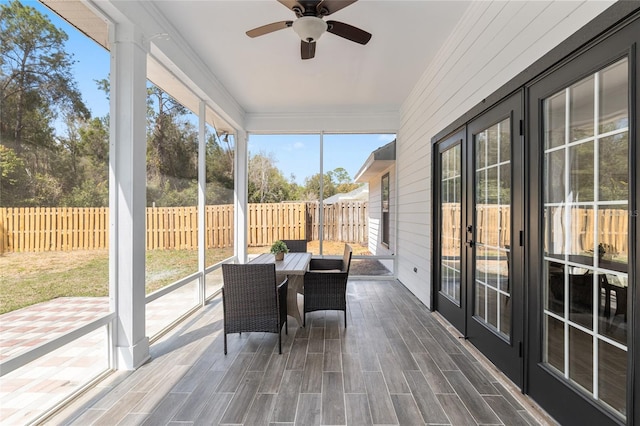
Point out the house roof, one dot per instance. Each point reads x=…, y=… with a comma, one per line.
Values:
x=377, y=162
x=361, y=193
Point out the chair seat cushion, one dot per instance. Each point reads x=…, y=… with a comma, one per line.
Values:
x=325, y=271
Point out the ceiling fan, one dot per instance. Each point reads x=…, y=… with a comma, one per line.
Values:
x=310, y=24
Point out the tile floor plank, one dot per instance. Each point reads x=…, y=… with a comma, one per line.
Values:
x=260, y=411
x=357, y=407
x=287, y=399
x=312, y=377
x=332, y=355
x=316, y=340
x=471, y=370
x=309, y=412
x=382, y=411
x=406, y=410
x=333, y=410
x=474, y=402
x=200, y=397
x=433, y=374
x=393, y=374
x=166, y=408
x=273, y=376
x=213, y=411
x=353, y=379
x=242, y=398
x=505, y=411
x=456, y=411
x=298, y=354
x=233, y=377
x=426, y=399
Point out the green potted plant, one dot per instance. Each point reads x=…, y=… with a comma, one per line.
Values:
x=279, y=248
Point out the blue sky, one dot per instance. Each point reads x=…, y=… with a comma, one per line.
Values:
x=296, y=155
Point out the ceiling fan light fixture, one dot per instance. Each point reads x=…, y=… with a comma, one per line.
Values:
x=309, y=28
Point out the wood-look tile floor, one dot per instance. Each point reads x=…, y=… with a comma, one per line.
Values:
x=395, y=363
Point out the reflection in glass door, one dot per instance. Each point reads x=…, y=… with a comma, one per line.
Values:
x=450, y=237
x=585, y=228
x=450, y=298
x=492, y=294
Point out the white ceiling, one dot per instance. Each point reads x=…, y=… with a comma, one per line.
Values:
x=265, y=75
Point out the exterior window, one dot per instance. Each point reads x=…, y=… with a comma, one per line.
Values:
x=385, y=209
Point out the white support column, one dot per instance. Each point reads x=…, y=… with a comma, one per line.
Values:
x=202, y=198
x=127, y=194
x=241, y=196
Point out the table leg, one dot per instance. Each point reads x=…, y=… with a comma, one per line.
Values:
x=296, y=285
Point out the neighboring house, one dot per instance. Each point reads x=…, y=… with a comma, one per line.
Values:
x=378, y=172
x=359, y=194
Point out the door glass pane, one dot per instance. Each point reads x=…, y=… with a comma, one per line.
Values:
x=554, y=343
x=613, y=98
x=493, y=227
x=555, y=119
x=581, y=109
x=586, y=202
x=450, y=200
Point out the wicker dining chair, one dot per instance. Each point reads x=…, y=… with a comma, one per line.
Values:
x=325, y=285
x=252, y=300
x=296, y=246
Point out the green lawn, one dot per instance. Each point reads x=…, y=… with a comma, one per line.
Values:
x=29, y=278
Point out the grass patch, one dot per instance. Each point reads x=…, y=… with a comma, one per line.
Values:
x=30, y=278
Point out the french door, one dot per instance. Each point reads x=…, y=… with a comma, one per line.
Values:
x=581, y=247
x=480, y=276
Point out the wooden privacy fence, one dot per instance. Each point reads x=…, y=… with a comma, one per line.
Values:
x=60, y=228
x=493, y=228
x=268, y=222
x=343, y=221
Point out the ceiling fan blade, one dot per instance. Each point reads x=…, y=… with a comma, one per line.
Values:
x=269, y=28
x=348, y=31
x=332, y=6
x=292, y=5
x=307, y=50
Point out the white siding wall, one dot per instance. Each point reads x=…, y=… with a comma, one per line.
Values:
x=493, y=42
x=375, y=213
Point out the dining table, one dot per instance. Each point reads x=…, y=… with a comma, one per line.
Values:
x=294, y=266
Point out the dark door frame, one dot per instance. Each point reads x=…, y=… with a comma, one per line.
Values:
x=508, y=356
x=567, y=405
x=455, y=314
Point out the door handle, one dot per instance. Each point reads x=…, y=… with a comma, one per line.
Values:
x=470, y=242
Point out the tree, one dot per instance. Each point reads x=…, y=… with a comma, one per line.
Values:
x=12, y=172
x=312, y=186
x=36, y=86
x=35, y=70
x=336, y=181
x=172, y=152
x=342, y=180
x=267, y=184
x=220, y=168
